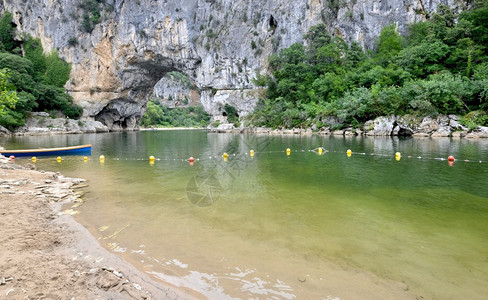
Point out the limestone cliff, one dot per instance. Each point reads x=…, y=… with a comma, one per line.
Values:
x=120, y=53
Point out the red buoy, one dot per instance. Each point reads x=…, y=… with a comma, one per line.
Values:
x=11, y=157
x=450, y=158
x=191, y=159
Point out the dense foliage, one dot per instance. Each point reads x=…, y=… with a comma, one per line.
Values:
x=158, y=115
x=36, y=77
x=232, y=115
x=8, y=95
x=440, y=66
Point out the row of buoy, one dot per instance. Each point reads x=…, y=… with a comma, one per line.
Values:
x=398, y=157
x=58, y=159
x=225, y=156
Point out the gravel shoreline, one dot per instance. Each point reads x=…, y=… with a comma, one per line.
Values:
x=46, y=254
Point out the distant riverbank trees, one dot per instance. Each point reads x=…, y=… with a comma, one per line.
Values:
x=439, y=67
x=158, y=115
x=38, y=78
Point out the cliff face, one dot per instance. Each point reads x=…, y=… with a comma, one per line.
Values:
x=219, y=45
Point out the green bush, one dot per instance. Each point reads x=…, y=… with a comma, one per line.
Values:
x=158, y=115
x=474, y=119
x=57, y=70
x=232, y=116
x=441, y=66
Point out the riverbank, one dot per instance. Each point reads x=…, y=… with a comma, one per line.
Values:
x=46, y=254
x=407, y=126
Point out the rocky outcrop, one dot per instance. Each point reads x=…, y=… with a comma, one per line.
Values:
x=219, y=45
x=4, y=131
x=481, y=132
x=408, y=125
x=42, y=123
x=381, y=126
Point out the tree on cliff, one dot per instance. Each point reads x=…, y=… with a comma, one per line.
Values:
x=7, y=33
x=37, y=77
x=8, y=95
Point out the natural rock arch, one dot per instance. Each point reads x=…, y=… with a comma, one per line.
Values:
x=124, y=111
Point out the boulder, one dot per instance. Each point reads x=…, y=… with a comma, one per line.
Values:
x=428, y=126
x=4, y=131
x=454, y=123
x=444, y=131
x=459, y=134
x=350, y=132
x=368, y=127
x=481, y=132
x=383, y=126
x=225, y=127
x=338, y=132
x=407, y=125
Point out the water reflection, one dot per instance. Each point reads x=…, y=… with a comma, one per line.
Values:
x=269, y=226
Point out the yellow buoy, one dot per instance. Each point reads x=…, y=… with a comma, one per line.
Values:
x=225, y=155
x=349, y=152
x=288, y=151
x=398, y=156
x=151, y=158
x=102, y=158
x=151, y=162
x=251, y=153
x=85, y=158
x=34, y=159
x=320, y=151
x=58, y=158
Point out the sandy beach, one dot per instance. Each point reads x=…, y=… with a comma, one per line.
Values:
x=46, y=254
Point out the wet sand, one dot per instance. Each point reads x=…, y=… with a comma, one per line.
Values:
x=46, y=254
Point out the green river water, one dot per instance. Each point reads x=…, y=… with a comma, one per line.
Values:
x=272, y=226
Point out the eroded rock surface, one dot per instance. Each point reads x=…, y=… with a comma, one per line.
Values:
x=219, y=45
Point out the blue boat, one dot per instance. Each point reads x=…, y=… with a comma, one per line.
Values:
x=73, y=150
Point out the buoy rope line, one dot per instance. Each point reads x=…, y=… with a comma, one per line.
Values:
x=320, y=151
